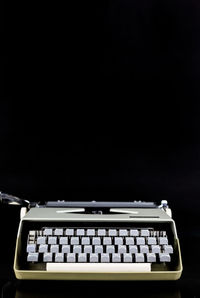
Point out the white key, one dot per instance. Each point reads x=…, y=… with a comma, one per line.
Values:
x=100, y=267
x=98, y=249
x=59, y=257
x=71, y=258
x=162, y=240
x=54, y=248
x=77, y=249
x=32, y=257
x=85, y=240
x=144, y=249
x=52, y=240
x=110, y=249
x=133, y=249
x=144, y=233
x=69, y=232
x=112, y=232
x=123, y=232
x=43, y=248
x=41, y=240
x=47, y=232
x=82, y=258
x=87, y=249
x=101, y=232
x=116, y=258
x=107, y=241
x=80, y=232
x=140, y=240
x=31, y=248
x=151, y=240
x=134, y=233
x=93, y=258
x=118, y=240
x=129, y=240
x=139, y=258
x=58, y=232
x=90, y=232
x=104, y=258
x=47, y=257
x=32, y=233
x=168, y=249
x=127, y=258
x=96, y=240
x=164, y=257
x=155, y=248
x=151, y=258
x=65, y=249
x=74, y=240
x=121, y=249
x=63, y=240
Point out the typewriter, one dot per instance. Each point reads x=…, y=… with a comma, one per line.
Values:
x=65, y=240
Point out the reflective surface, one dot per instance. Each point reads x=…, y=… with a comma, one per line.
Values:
x=91, y=289
x=36, y=289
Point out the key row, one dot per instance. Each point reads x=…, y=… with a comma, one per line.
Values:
x=43, y=248
x=98, y=258
x=100, y=240
x=97, y=232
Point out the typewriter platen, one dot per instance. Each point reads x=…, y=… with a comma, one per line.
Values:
x=97, y=241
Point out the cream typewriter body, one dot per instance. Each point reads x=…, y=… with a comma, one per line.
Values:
x=97, y=241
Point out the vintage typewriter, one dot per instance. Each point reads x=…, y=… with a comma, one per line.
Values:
x=65, y=240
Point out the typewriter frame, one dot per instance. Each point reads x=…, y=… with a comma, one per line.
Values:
x=122, y=215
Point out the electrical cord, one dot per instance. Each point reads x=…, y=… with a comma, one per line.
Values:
x=13, y=200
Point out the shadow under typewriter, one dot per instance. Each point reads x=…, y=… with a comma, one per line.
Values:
x=87, y=289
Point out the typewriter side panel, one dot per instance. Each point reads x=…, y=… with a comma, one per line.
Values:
x=17, y=251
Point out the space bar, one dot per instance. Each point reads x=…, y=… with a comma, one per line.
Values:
x=98, y=267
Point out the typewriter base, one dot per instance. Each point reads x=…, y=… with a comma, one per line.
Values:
x=47, y=217
x=38, y=275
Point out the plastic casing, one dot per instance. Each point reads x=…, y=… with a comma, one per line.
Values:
x=136, y=215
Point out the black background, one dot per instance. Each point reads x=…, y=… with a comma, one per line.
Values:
x=100, y=101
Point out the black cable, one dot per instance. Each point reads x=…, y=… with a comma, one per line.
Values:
x=12, y=200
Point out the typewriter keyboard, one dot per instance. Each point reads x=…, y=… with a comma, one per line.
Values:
x=98, y=245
